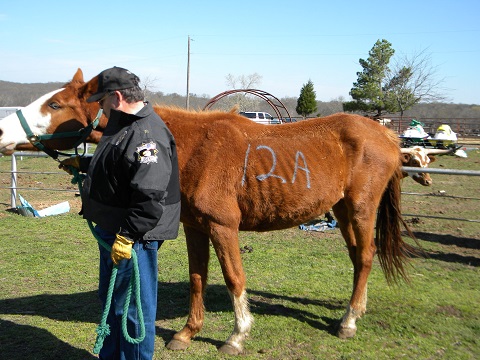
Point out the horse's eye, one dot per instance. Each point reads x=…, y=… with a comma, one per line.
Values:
x=54, y=105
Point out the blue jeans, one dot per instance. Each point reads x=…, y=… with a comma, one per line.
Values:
x=115, y=347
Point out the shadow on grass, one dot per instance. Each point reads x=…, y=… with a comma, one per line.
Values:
x=24, y=342
x=265, y=303
x=79, y=307
x=173, y=300
x=450, y=240
x=446, y=239
x=261, y=303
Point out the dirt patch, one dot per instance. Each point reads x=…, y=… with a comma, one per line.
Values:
x=449, y=310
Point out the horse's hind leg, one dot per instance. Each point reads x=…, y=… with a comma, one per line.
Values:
x=198, y=258
x=225, y=242
x=357, y=231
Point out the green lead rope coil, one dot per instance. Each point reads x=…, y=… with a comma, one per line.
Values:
x=103, y=329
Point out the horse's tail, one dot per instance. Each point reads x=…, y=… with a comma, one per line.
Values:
x=393, y=252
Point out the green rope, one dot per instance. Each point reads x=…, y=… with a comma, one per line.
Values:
x=103, y=329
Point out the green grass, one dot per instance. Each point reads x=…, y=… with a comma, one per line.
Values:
x=299, y=284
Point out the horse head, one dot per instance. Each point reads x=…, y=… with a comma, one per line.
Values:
x=61, y=111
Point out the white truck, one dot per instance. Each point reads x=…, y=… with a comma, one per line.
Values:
x=261, y=117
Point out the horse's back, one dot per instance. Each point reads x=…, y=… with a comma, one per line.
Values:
x=264, y=177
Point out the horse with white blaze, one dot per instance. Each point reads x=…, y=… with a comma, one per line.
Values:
x=237, y=175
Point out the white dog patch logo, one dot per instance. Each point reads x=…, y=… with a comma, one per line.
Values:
x=147, y=153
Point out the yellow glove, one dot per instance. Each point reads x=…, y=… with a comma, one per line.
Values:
x=73, y=161
x=121, y=249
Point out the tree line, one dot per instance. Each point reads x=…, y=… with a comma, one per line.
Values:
x=20, y=94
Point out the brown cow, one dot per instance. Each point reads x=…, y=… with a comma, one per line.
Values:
x=239, y=175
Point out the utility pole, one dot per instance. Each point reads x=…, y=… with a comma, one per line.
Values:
x=188, y=75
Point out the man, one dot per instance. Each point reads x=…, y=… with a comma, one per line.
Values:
x=131, y=192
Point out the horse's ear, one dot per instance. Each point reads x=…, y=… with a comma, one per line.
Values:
x=405, y=158
x=78, y=77
x=89, y=88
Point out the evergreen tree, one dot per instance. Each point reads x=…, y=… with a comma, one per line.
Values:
x=306, y=103
x=371, y=91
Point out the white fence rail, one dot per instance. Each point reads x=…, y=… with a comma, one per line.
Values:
x=410, y=169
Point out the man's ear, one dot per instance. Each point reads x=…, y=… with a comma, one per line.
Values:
x=116, y=99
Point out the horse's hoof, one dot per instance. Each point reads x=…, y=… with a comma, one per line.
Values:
x=175, y=344
x=229, y=350
x=346, y=333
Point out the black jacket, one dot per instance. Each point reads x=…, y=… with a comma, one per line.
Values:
x=132, y=185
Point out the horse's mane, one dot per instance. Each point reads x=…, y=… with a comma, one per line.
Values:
x=172, y=110
x=393, y=137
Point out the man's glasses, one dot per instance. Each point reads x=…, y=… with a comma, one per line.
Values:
x=102, y=100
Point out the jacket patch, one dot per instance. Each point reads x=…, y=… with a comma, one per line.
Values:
x=147, y=153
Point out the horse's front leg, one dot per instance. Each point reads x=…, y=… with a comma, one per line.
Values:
x=198, y=258
x=226, y=244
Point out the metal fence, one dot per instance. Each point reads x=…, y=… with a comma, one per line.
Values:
x=14, y=180
x=14, y=175
x=466, y=127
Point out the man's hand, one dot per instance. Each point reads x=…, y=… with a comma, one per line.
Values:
x=68, y=163
x=121, y=249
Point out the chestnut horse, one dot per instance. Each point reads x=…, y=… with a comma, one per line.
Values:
x=239, y=175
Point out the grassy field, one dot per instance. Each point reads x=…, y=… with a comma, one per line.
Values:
x=299, y=283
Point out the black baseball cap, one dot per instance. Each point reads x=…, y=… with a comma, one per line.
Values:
x=112, y=79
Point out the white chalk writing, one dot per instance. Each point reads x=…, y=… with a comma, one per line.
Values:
x=272, y=169
x=271, y=173
x=305, y=168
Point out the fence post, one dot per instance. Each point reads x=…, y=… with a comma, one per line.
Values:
x=13, y=193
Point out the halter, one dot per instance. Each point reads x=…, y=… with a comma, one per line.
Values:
x=36, y=140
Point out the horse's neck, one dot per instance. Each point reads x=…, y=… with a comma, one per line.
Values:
x=183, y=123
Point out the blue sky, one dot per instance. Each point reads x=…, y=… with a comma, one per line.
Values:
x=286, y=42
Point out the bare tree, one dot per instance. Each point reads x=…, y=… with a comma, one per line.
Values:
x=243, y=81
x=148, y=85
x=413, y=80
x=242, y=101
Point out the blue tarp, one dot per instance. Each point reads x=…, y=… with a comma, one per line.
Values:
x=28, y=210
x=318, y=225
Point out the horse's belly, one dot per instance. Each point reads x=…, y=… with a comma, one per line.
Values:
x=284, y=209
